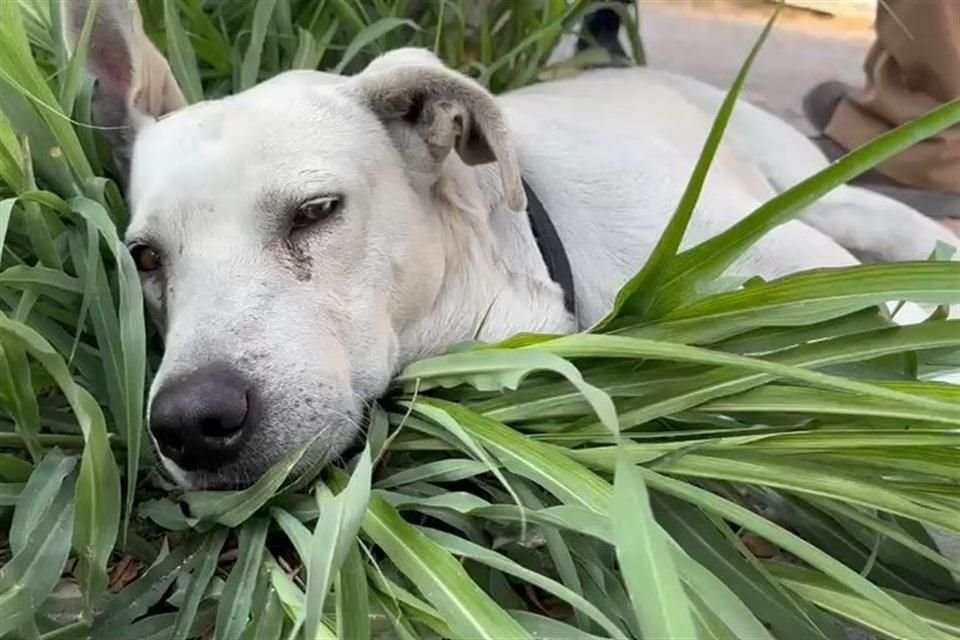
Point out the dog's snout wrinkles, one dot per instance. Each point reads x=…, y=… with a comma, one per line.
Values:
x=199, y=420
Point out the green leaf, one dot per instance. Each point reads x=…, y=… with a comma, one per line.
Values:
x=235, y=603
x=232, y=508
x=567, y=517
x=159, y=627
x=77, y=66
x=180, y=53
x=440, y=578
x=706, y=261
x=802, y=299
x=41, y=279
x=289, y=594
x=250, y=71
x=848, y=288
x=20, y=76
x=448, y=470
x=832, y=536
x=14, y=469
x=833, y=597
x=810, y=478
x=789, y=542
x=784, y=399
x=32, y=573
x=204, y=564
x=711, y=599
x=377, y=430
x=268, y=622
x=143, y=593
x=584, y=345
x=338, y=522
x=538, y=462
x=559, y=548
x=10, y=493
x=686, y=393
x=496, y=369
x=543, y=627
x=450, y=427
x=370, y=34
x=120, y=334
x=458, y=501
x=167, y=514
x=36, y=497
x=636, y=296
x=299, y=535
x=643, y=553
x=468, y=550
x=16, y=386
x=703, y=540
x=353, y=619
x=890, y=532
x=133, y=341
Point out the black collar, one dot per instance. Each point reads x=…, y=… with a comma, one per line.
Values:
x=551, y=247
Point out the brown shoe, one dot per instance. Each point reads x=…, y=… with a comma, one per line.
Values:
x=819, y=105
x=821, y=101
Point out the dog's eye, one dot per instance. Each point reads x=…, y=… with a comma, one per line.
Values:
x=145, y=257
x=315, y=210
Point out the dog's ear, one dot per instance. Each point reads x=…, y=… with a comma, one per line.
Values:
x=430, y=110
x=134, y=82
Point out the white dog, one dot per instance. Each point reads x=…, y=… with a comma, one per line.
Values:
x=302, y=241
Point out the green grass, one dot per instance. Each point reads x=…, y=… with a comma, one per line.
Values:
x=713, y=464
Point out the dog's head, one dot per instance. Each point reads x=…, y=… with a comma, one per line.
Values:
x=284, y=236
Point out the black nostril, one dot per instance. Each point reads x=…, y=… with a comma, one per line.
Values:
x=226, y=415
x=198, y=420
x=168, y=438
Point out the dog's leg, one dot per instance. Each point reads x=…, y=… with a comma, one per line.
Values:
x=876, y=228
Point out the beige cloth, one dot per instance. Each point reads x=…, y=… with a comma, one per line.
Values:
x=912, y=67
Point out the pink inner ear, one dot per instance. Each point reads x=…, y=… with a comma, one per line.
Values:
x=109, y=57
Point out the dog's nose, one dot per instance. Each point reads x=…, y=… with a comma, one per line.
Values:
x=199, y=420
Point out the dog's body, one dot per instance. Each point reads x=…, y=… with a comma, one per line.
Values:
x=306, y=239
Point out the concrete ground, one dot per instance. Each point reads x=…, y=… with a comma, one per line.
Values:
x=803, y=49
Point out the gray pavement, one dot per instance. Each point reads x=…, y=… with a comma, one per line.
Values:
x=712, y=44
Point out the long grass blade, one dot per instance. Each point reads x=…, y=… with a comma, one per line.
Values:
x=33, y=572
x=237, y=598
x=205, y=563
x=250, y=71
x=636, y=296
x=339, y=519
x=662, y=607
x=353, y=618
x=439, y=577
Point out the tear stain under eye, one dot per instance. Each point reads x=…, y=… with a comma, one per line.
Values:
x=293, y=257
x=165, y=290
